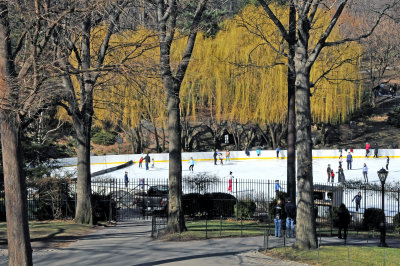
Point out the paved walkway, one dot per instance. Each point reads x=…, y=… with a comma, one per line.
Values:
x=130, y=244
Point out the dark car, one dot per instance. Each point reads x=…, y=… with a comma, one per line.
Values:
x=156, y=200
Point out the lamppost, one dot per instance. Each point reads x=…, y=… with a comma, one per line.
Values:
x=382, y=174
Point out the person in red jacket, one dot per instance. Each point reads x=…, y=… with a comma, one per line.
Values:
x=367, y=146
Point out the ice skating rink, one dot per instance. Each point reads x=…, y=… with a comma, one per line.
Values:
x=266, y=166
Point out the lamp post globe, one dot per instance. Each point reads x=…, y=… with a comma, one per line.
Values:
x=382, y=174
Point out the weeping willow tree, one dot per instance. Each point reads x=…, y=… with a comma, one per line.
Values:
x=233, y=76
x=238, y=78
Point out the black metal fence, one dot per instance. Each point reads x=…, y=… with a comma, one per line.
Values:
x=203, y=197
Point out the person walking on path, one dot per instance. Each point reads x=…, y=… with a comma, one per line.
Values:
x=227, y=156
x=343, y=220
x=367, y=147
x=349, y=160
x=376, y=150
x=358, y=200
x=230, y=181
x=278, y=211
x=277, y=188
x=215, y=156
x=147, y=159
x=258, y=151
x=290, y=209
x=365, y=172
x=328, y=171
x=277, y=152
x=140, y=161
x=191, y=164
x=387, y=162
x=126, y=180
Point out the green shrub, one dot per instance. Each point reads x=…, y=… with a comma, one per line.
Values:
x=101, y=207
x=192, y=204
x=246, y=209
x=104, y=137
x=396, y=222
x=372, y=218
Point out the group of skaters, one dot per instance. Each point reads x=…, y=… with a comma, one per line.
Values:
x=146, y=159
x=349, y=160
x=218, y=156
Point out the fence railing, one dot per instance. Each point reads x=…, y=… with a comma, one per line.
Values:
x=213, y=198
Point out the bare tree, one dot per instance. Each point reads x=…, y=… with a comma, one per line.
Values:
x=304, y=59
x=77, y=43
x=167, y=12
x=26, y=88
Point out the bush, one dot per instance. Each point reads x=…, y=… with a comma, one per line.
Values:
x=394, y=117
x=193, y=204
x=396, y=222
x=101, y=208
x=246, y=209
x=372, y=218
x=104, y=137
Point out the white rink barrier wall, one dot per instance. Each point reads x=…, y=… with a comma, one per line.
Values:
x=235, y=155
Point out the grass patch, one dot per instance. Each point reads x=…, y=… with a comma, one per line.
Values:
x=52, y=232
x=334, y=255
x=217, y=229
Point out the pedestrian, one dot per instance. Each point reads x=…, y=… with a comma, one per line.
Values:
x=332, y=176
x=387, y=162
x=152, y=163
x=126, y=180
x=221, y=158
x=290, y=209
x=277, y=188
x=365, y=172
x=343, y=220
x=358, y=200
x=191, y=164
x=278, y=218
x=227, y=156
x=258, y=151
x=340, y=160
x=147, y=159
x=367, y=147
x=140, y=162
x=247, y=152
x=215, y=156
x=230, y=181
x=340, y=172
x=376, y=150
x=328, y=171
x=349, y=160
x=277, y=152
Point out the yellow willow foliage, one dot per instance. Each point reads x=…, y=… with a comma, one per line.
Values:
x=228, y=74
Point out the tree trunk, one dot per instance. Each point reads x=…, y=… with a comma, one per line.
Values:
x=306, y=230
x=291, y=134
x=176, y=221
x=156, y=138
x=83, y=213
x=19, y=246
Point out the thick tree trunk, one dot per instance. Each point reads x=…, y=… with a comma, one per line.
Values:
x=306, y=237
x=176, y=221
x=291, y=134
x=83, y=213
x=19, y=246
